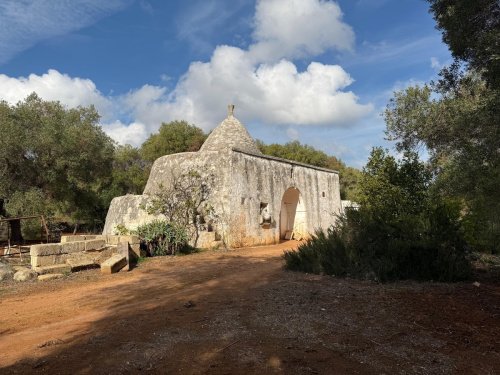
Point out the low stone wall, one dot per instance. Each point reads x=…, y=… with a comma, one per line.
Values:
x=82, y=250
x=133, y=241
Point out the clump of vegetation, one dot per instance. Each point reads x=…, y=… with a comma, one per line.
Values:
x=401, y=231
x=121, y=230
x=163, y=238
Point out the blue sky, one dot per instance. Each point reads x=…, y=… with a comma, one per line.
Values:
x=313, y=70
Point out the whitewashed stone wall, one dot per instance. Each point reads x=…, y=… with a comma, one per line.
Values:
x=243, y=180
x=260, y=180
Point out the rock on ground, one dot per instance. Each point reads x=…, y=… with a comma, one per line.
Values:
x=50, y=276
x=6, y=271
x=25, y=275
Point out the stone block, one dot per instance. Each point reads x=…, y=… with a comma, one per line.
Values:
x=55, y=268
x=72, y=238
x=25, y=275
x=50, y=276
x=135, y=251
x=112, y=240
x=81, y=264
x=105, y=254
x=134, y=245
x=48, y=260
x=94, y=244
x=130, y=239
x=123, y=249
x=73, y=247
x=113, y=264
x=45, y=249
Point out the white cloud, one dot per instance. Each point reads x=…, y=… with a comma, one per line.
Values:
x=133, y=134
x=55, y=86
x=23, y=23
x=298, y=28
x=264, y=84
x=435, y=64
x=269, y=93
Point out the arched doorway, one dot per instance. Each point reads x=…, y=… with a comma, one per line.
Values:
x=292, y=215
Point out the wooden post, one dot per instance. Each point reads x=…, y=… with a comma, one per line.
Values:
x=44, y=224
x=8, y=239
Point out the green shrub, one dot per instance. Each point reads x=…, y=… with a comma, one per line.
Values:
x=362, y=247
x=163, y=238
x=401, y=230
x=121, y=230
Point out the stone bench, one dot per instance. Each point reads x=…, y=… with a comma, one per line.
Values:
x=57, y=253
x=84, y=251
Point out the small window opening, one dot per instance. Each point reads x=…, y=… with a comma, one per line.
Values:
x=265, y=214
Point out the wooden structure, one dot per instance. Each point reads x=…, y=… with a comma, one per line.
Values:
x=9, y=220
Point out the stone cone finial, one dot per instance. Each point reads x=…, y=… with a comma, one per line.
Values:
x=230, y=110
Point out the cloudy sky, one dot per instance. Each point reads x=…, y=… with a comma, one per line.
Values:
x=314, y=70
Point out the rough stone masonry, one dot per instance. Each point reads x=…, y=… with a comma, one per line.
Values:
x=257, y=199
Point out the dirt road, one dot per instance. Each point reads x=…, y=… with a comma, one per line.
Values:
x=239, y=312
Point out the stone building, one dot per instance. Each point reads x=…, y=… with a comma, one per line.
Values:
x=258, y=199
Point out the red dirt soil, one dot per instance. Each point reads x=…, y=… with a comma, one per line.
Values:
x=239, y=312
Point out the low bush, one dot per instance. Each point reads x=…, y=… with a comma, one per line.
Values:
x=163, y=238
x=401, y=231
x=362, y=247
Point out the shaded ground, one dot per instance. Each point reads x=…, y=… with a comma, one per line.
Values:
x=238, y=312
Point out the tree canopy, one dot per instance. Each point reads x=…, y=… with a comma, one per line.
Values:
x=172, y=137
x=57, y=155
x=457, y=118
x=471, y=29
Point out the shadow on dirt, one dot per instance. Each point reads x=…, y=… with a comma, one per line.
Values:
x=231, y=314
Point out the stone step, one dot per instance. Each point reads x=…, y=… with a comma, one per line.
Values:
x=50, y=276
x=114, y=264
x=55, y=268
x=81, y=264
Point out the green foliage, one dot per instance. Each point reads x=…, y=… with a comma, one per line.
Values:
x=402, y=185
x=458, y=123
x=129, y=174
x=63, y=153
x=401, y=230
x=457, y=120
x=296, y=151
x=163, y=238
x=172, y=137
x=184, y=200
x=121, y=230
x=322, y=253
x=471, y=29
x=130, y=171
x=28, y=203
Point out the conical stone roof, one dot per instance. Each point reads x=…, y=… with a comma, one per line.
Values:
x=230, y=134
